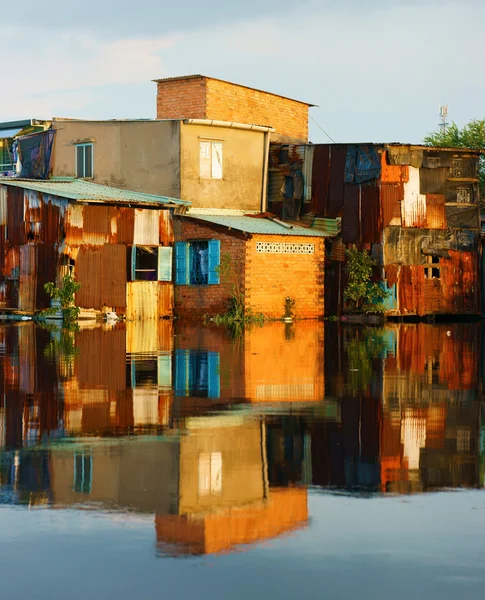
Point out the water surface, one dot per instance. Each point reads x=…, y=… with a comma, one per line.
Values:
x=305, y=460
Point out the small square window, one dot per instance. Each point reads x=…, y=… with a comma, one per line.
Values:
x=432, y=272
x=84, y=161
x=211, y=160
x=463, y=195
x=457, y=167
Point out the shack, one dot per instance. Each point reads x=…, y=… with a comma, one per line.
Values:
x=116, y=243
x=270, y=265
x=414, y=208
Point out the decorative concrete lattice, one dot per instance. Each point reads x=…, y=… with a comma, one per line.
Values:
x=275, y=248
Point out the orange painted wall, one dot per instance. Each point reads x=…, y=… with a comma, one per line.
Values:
x=283, y=364
x=271, y=278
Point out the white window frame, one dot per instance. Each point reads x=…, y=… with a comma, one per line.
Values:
x=211, y=159
x=83, y=146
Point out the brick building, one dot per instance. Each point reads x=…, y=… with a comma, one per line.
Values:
x=269, y=263
x=201, y=97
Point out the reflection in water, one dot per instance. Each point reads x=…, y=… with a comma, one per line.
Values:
x=221, y=439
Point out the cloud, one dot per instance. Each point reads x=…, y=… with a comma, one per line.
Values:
x=377, y=70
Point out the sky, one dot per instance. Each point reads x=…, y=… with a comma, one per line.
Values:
x=378, y=70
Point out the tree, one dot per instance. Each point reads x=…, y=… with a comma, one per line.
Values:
x=361, y=294
x=471, y=136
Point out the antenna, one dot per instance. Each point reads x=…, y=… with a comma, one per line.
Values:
x=443, y=115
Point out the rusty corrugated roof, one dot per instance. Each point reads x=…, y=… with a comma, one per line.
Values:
x=86, y=191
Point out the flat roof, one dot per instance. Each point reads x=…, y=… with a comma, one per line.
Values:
x=86, y=191
x=199, y=76
x=256, y=225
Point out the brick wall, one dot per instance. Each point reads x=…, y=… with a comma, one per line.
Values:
x=196, y=300
x=271, y=278
x=230, y=102
x=267, y=278
x=181, y=99
x=206, y=98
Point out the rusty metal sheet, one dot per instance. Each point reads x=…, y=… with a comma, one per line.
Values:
x=12, y=262
x=96, y=225
x=52, y=231
x=335, y=200
x=405, y=155
x=462, y=216
x=413, y=207
x=392, y=173
x=73, y=224
x=435, y=211
x=460, y=283
x=392, y=195
x=337, y=250
x=113, y=275
x=391, y=273
x=165, y=299
x=321, y=178
x=370, y=222
x=101, y=271
x=147, y=227
x=15, y=216
x=46, y=268
x=28, y=276
x=142, y=300
x=126, y=225
x=351, y=214
x=410, y=290
x=166, y=229
x=3, y=205
x=432, y=296
x=433, y=181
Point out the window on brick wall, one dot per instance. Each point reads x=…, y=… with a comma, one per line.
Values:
x=197, y=262
x=210, y=160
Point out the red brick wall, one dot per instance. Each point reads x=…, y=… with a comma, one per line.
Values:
x=182, y=99
x=271, y=278
x=197, y=300
x=206, y=98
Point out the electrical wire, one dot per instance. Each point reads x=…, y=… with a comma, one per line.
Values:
x=318, y=125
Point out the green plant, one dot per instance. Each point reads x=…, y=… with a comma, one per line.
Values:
x=472, y=135
x=361, y=294
x=65, y=295
x=231, y=279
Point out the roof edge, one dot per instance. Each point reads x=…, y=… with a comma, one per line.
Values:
x=248, y=87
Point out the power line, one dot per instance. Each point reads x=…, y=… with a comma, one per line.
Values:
x=318, y=125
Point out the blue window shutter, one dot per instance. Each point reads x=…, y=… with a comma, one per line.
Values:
x=181, y=372
x=213, y=366
x=214, y=261
x=133, y=263
x=181, y=270
x=164, y=263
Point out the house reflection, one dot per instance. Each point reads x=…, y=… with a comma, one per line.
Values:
x=220, y=436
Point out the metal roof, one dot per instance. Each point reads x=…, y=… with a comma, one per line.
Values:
x=86, y=191
x=257, y=225
x=199, y=76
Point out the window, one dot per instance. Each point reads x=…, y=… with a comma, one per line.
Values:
x=196, y=263
x=432, y=272
x=457, y=167
x=151, y=263
x=463, y=195
x=84, y=160
x=83, y=472
x=210, y=473
x=211, y=160
x=197, y=374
